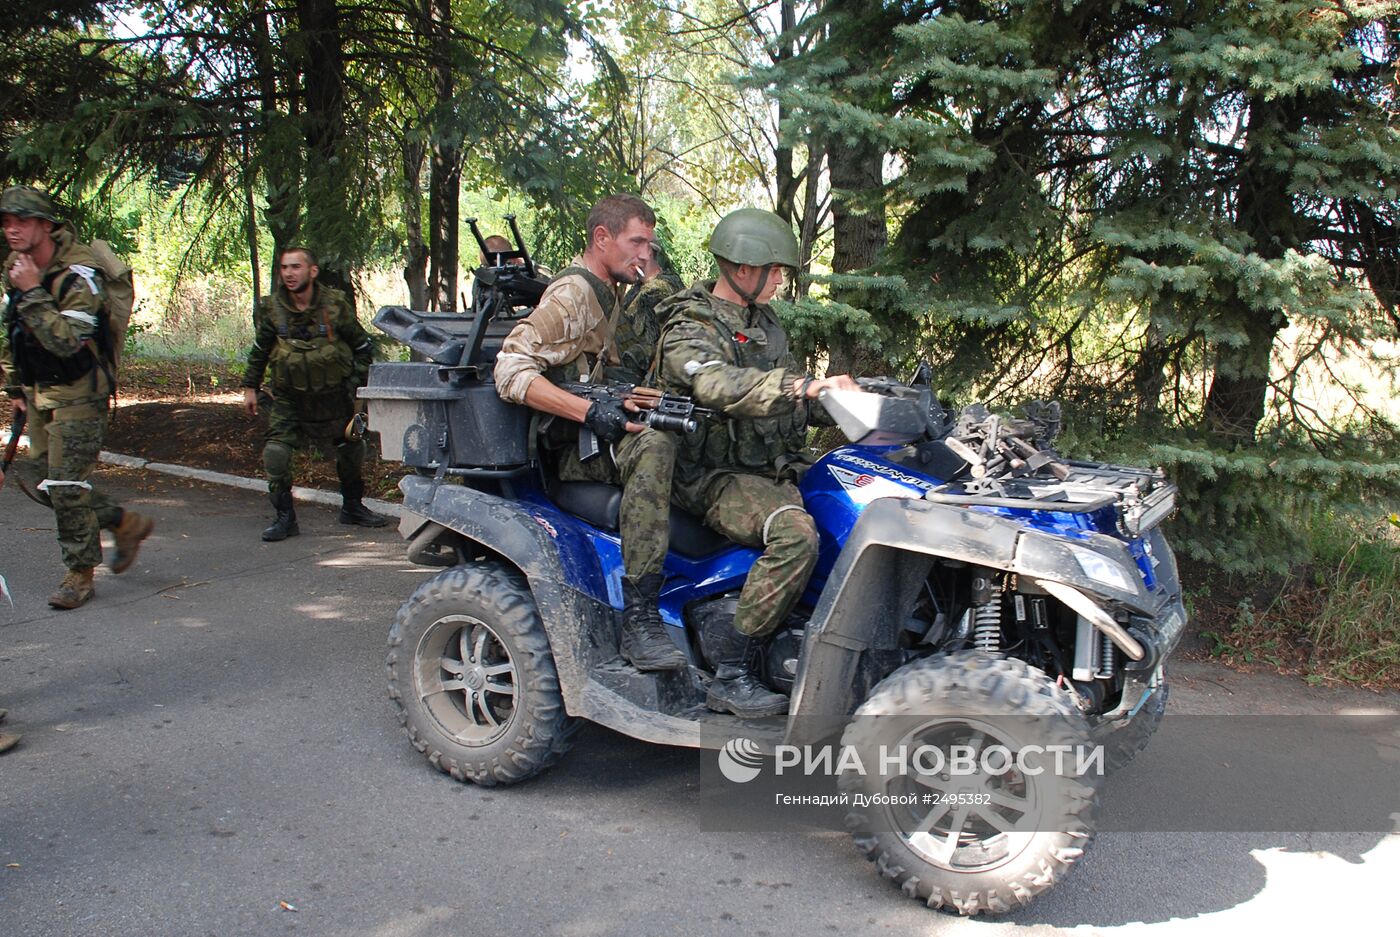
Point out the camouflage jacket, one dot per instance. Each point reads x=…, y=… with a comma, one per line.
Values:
x=563, y=338
x=736, y=361
x=638, y=333
x=329, y=316
x=54, y=326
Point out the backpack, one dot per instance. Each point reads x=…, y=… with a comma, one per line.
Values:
x=119, y=298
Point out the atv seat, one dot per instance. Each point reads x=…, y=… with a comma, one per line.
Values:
x=598, y=504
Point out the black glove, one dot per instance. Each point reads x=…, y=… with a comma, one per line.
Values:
x=608, y=421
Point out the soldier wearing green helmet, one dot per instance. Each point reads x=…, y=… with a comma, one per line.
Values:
x=56, y=374
x=723, y=345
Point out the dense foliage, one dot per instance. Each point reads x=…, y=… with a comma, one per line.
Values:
x=1174, y=215
x=1179, y=217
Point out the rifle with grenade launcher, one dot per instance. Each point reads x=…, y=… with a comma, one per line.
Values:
x=671, y=413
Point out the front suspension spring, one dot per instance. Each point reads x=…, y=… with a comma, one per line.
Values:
x=1108, y=658
x=986, y=626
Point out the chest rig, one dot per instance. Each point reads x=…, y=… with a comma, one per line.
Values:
x=35, y=363
x=308, y=358
x=763, y=446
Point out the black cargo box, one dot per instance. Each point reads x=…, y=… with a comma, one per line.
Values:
x=444, y=412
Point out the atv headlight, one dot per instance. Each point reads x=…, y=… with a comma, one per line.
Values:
x=1101, y=569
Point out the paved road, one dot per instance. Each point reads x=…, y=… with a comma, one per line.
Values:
x=211, y=737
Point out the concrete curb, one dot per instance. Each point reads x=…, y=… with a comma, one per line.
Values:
x=309, y=495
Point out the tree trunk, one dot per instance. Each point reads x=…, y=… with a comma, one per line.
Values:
x=280, y=146
x=1264, y=211
x=785, y=202
x=445, y=173
x=1149, y=375
x=859, y=240
x=327, y=183
x=811, y=216
x=415, y=269
x=1235, y=403
x=250, y=225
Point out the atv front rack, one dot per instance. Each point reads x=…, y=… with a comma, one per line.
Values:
x=1144, y=498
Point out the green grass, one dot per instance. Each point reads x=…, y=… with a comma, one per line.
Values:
x=1356, y=630
x=1335, y=618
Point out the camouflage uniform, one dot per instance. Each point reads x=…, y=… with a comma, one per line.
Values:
x=638, y=332
x=562, y=340
x=739, y=473
x=309, y=408
x=50, y=360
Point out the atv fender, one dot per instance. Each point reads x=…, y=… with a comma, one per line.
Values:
x=509, y=530
x=875, y=582
x=572, y=619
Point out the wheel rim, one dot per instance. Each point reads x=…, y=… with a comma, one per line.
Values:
x=965, y=837
x=466, y=679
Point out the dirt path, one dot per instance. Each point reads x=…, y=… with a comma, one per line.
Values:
x=192, y=414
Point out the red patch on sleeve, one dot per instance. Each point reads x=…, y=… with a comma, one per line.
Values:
x=740, y=337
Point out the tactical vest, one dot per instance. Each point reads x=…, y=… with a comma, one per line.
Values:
x=758, y=446
x=607, y=301
x=307, y=358
x=37, y=366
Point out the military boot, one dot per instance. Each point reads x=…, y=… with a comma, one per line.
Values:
x=75, y=589
x=9, y=740
x=352, y=508
x=286, y=524
x=644, y=642
x=735, y=688
x=128, y=536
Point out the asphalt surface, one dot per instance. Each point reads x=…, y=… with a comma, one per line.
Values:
x=211, y=738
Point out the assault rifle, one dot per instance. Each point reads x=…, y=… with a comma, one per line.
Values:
x=21, y=417
x=670, y=413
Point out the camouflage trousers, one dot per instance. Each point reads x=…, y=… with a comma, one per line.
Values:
x=63, y=448
x=294, y=425
x=644, y=464
x=761, y=512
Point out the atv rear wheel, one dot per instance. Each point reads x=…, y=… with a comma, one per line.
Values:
x=473, y=678
x=990, y=841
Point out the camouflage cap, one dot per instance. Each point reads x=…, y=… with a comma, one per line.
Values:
x=25, y=201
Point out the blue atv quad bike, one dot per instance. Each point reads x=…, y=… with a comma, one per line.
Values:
x=964, y=570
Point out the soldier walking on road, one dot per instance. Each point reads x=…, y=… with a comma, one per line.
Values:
x=314, y=353
x=723, y=345
x=59, y=365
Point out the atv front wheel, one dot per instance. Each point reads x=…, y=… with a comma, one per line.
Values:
x=982, y=841
x=473, y=678
x=1122, y=741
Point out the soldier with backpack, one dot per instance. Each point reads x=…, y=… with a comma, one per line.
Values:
x=60, y=369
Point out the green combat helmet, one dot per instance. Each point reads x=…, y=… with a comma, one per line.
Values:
x=755, y=237
x=25, y=201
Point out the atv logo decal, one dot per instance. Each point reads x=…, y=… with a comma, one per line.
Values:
x=740, y=760
x=863, y=487
x=885, y=471
x=549, y=528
